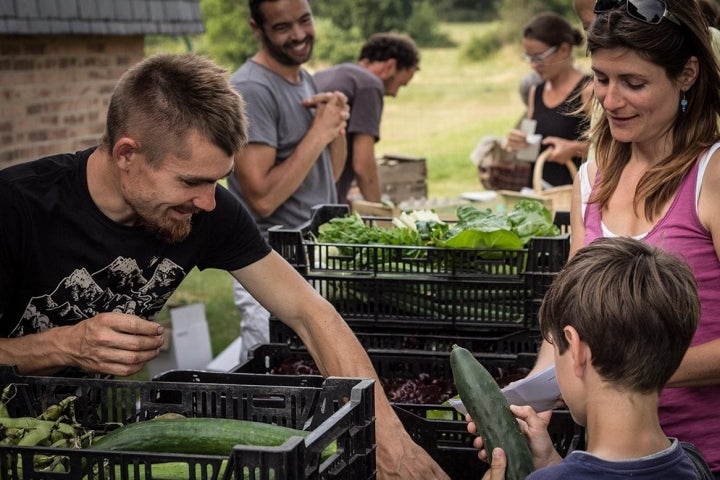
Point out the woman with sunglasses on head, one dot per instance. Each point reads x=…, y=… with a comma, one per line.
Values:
x=655, y=177
x=556, y=102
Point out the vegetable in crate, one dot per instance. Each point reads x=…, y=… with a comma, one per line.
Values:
x=205, y=436
x=512, y=230
x=491, y=413
x=474, y=228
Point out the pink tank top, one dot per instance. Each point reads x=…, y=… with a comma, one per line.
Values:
x=690, y=414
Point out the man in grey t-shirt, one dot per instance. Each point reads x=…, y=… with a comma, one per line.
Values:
x=296, y=147
x=387, y=61
x=296, y=151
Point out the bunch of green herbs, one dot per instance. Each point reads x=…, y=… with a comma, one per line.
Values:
x=475, y=228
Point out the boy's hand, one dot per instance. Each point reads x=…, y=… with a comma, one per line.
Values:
x=534, y=427
x=497, y=466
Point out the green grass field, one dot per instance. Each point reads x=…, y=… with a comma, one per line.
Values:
x=449, y=106
x=446, y=109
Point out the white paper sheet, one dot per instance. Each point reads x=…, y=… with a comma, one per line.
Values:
x=540, y=391
x=484, y=196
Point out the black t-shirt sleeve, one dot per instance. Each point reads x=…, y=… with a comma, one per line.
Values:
x=233, y=239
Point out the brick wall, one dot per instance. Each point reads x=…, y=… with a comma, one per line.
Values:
x=54, y=91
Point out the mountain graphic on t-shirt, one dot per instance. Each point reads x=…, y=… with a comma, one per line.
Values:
x=122, y=287
x=123, y=274
x=78, y=287
x=65, y=312
x=166, y=277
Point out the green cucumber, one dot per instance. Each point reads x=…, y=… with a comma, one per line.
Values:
x=491, y=413
x=167, y=471
x=204, y=436
x=176, y=471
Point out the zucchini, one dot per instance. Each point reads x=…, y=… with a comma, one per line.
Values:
x=491, y=413
x=204, y=436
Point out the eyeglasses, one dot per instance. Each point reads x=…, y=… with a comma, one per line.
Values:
x=539, y=57
x=648, y=11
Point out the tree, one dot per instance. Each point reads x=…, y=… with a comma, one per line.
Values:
x=369, y=16
x=466, y=10
x=228, y=37
x=424, y=28
x=229, y=40
x=417, y=18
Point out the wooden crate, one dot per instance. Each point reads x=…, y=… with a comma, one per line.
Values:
x=402, y=177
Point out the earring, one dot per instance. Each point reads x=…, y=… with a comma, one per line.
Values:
x=683, y=103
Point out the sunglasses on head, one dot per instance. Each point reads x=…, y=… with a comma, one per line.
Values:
x=648, y=11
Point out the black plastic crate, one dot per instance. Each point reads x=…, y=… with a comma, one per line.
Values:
x=430, y=340
x=442, y=432
x=439, y=429
x=332, y=409
x=423, y=287
x=403, y=373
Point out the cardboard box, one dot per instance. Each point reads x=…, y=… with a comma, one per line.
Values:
x=228, y=359
x=187, y=341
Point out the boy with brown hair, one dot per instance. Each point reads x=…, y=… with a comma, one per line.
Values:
x=620, y=317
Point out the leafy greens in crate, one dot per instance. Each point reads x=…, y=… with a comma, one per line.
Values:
x=486, y=268
x=474, y=229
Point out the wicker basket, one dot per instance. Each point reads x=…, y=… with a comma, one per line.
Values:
x=555, y=198
x=561, y=196
x=506, y=176
x=498, y=169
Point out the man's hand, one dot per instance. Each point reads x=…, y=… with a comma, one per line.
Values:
x=400, y=458
x=497, y=466
x=112, y=343
x=331, y=114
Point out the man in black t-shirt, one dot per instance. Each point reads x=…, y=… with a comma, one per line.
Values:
x=93, y=244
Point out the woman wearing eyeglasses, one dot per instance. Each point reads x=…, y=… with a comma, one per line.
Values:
x=655, y=177
x=556, y=102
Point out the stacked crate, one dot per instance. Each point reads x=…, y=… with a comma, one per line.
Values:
x=428, y=291
x=409, y=305
x=438, y=428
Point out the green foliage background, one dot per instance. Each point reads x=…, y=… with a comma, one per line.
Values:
x=228, y=37
x=344, y=24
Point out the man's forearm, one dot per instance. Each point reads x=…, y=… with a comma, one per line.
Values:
x=365, y=167
x=34, y=354
x=338, y=155
x=266, y=188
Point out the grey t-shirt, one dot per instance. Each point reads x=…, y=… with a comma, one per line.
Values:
x=277, y=118
x=364, y=91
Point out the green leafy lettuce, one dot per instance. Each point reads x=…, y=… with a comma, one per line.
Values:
x=475, y=228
